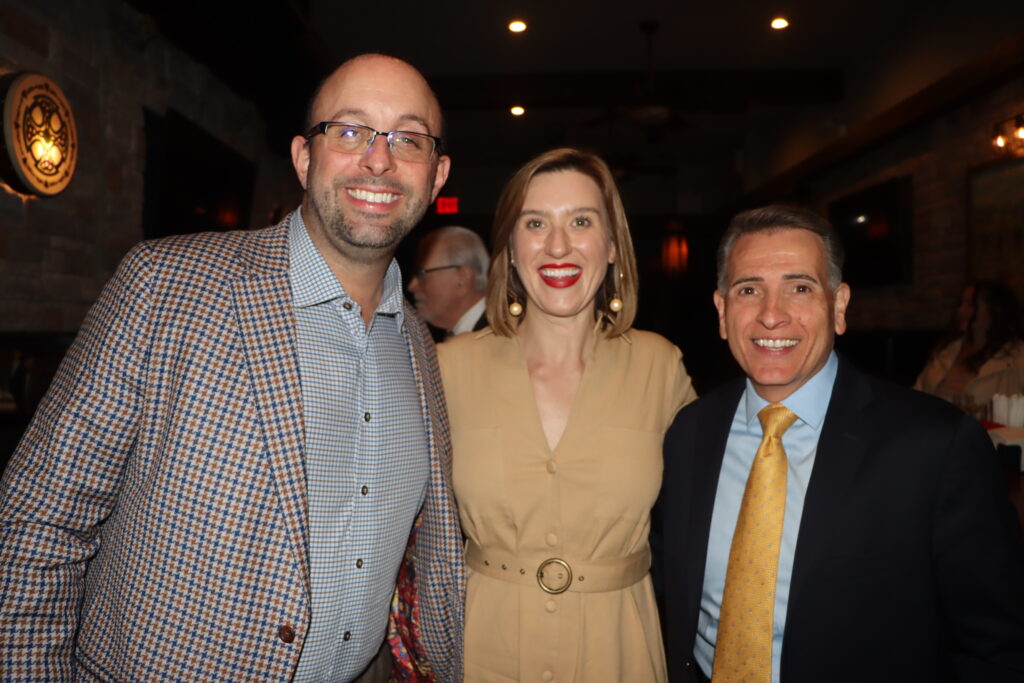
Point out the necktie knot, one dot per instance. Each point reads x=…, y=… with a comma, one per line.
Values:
x=776, y=419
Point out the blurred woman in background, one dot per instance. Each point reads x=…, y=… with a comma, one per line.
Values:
x=982, y=354
x=558, y=412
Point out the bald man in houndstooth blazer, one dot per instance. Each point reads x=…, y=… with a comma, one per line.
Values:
x=156, y=517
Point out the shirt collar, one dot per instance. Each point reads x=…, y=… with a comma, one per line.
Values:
x=469, y=318
x=809, y=402
x=313, y=282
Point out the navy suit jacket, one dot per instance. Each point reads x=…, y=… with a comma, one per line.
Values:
x=909, y=564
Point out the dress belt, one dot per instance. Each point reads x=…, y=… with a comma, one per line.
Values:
x=556, y=574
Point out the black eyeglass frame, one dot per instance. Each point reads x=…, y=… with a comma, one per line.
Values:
x=419, y=273
x=321, y=129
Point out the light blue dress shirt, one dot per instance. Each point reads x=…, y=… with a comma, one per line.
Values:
x=367, y=459
x=809, y=402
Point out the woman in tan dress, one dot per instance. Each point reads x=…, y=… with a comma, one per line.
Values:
x=557, y=413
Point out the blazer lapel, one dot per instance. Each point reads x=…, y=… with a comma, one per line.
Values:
x=841, y=450
x=440, y=582
x=266, y=319
x=710, y=441
x=434, y=536
x=433, y=413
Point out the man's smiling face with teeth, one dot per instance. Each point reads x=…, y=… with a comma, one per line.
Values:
x=363, y=204
x=779, y=314
x=373, y=197
x=775, y=343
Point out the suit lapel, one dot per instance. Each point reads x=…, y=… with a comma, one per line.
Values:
x=711, y=437
x=266, y=319
x=433, y=414
x=434, y=534
x=841, y=450
x=440, y=582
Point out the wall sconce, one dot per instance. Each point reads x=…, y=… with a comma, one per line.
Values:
x=675, y=254
x=39, y=135
x=1008, y=135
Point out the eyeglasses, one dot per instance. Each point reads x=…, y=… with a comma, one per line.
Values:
x=353, y=138
x=423, y=271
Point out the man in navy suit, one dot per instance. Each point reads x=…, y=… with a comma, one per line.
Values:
x=898, y=556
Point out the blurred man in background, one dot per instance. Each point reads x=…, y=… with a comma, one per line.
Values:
x=449, y=283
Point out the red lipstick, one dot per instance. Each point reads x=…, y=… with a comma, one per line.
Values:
x=559, y=275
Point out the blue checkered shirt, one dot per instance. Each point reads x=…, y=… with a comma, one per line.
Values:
x=367, y=459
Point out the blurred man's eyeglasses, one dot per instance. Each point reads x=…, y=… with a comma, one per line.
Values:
x=423, y=271
x=353, y=138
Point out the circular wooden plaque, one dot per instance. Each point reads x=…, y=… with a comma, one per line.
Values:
x=40, y=138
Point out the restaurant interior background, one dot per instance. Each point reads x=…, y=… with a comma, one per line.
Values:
x=879, y=113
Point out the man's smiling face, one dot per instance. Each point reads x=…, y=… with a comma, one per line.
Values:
x=364, y=204
x=779, y=313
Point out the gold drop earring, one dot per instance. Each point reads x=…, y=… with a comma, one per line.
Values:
x=615, y=305
x=515, y=309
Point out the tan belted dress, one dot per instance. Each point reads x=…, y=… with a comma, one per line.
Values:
x=585, y=506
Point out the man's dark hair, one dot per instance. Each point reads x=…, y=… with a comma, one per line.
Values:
x=781, y=217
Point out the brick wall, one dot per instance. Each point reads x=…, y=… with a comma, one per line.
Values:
x=939, y=154
x=111, y=63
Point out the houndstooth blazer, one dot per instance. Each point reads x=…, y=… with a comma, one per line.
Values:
x=153, y=518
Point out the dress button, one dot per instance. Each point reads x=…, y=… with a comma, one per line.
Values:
x=364, y=490
x=286, y=633
x=552, y=539
x=347, y=636
x=551, y=605
x=547, y=676
x=366, y=417
x=359, y=563
x=552, y=467
x=347, y=305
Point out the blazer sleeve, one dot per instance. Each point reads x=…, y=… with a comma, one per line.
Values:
x=979, y=560
x=63, y=479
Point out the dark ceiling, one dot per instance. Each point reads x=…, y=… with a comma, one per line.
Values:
x=699, y=107
x=572, y=56
x=654, y=85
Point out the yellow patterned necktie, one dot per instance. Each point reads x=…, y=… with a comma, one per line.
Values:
x=743, y=651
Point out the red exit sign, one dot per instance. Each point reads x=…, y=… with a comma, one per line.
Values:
x=447, y=204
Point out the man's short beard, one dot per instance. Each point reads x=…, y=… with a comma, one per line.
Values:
x=379, y=236
x=388, y=236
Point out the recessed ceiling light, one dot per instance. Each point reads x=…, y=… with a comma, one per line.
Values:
x=779, y=23
x=517, y=111
x=517, y=26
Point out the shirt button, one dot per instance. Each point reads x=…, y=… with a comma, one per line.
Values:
x=547, y=676
x=364, y=490
x=552, y=467
x=552, y=539
x=359, y=563
x=551, y=605
x=347, y=305
x=347, y=636
x=286, y=633
x=366, y=417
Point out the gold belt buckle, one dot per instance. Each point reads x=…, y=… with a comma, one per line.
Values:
x=559, y=562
